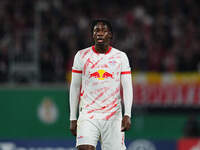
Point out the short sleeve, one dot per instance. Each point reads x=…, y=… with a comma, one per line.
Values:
x=125, y=68
x=77, y=68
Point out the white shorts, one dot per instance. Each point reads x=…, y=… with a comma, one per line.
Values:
x=108, y=132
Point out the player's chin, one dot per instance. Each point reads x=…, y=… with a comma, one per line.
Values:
x=100, y=43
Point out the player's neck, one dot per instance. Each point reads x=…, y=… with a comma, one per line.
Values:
x=101, y=48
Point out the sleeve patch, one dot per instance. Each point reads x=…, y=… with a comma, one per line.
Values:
x=76, y=71
x=126, y=72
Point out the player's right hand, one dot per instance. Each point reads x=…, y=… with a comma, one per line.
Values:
x=73, y=126
x=126, y=123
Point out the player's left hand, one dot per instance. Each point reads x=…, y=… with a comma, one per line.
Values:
x=126, y=123
x=73, y=127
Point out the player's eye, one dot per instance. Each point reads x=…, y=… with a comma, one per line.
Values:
x=96, y=30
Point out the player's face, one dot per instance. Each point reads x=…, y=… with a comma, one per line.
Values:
x=101, y=34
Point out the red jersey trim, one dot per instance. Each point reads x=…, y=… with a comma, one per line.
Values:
x=126, y=72
x=109, y=49
x=76, y=71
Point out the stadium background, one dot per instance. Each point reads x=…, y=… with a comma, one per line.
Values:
x=38, y=39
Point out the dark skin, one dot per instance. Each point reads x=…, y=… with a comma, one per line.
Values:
x=102, y=37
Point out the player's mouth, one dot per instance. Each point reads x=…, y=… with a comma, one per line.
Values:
x=100, y=40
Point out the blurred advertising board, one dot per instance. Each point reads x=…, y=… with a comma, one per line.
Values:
x=189, y=144
x=44, y=113
x=169, y=89
x=35, y=112
x=140, y=144
x=37, y=145
x=144, y=144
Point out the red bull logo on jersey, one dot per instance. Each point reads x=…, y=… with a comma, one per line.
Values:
x=101, y=75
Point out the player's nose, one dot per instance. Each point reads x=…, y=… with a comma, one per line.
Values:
x=100, y=33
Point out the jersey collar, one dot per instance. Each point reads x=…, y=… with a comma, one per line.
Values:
x=109, y=49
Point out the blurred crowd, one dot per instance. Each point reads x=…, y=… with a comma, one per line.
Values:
x=157, y=35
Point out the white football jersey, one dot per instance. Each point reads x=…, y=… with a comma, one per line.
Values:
x=100, y=90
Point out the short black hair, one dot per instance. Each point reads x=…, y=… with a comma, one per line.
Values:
x=104, y=21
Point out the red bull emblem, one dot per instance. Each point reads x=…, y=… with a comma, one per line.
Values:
x=101, y=75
